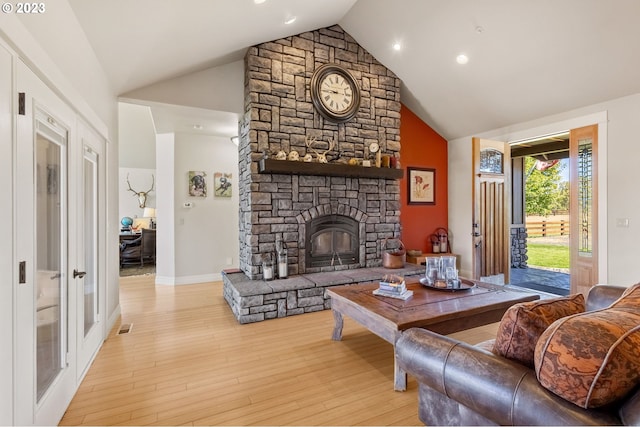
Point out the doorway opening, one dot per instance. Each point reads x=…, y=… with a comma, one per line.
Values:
x=540, y=230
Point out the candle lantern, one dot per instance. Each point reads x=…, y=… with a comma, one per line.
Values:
x=267, y=267
x=283, y=266
x=282, y=259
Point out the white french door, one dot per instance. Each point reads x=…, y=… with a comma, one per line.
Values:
x=45, y=378
x=87, y=271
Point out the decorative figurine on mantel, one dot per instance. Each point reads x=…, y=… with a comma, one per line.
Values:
x=321, y=157
x=294, y=156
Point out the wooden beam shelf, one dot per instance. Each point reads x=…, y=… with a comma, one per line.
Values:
x=289, y=167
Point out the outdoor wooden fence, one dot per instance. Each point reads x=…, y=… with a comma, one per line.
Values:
x=548, y=228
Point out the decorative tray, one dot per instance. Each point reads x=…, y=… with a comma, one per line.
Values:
x=462, y=285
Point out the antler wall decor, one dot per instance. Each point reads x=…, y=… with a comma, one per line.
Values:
x=322, y=157
x=142, y=195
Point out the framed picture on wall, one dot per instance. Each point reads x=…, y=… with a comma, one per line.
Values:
x=421, y=186
x=222, y=184
x=197, y=184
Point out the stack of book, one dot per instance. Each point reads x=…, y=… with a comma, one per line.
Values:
x=393, y=287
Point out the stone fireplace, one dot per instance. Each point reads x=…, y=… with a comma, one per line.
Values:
x=329, y=221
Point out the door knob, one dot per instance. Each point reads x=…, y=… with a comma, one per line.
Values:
x=79, y=274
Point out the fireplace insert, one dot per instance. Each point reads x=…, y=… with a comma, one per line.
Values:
x=332, y=240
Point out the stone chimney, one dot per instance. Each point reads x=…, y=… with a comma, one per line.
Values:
x=279, y=115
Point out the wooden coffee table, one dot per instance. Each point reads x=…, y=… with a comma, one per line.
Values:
x=444, y=312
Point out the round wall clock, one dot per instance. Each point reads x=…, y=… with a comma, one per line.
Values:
x=335, y=93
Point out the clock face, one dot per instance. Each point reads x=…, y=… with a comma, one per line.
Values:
x=335, y=93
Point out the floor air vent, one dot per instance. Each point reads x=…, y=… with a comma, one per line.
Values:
x=125, y=328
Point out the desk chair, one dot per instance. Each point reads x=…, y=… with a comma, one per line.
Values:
x=140, y=250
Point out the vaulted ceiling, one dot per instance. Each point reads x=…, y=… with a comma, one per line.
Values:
x=527, y=59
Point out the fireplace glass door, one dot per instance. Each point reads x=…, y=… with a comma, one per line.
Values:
x=333, y=240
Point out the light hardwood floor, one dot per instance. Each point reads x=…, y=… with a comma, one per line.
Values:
x=187, y=361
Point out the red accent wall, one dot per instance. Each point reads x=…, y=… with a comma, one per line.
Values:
x=422, y=147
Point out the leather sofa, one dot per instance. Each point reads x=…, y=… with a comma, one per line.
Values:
x=462, y=384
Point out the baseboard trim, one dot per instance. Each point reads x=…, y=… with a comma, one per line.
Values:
x=111, y=321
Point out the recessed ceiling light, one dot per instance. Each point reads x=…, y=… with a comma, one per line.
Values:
x=462, y=59
x=397, y=46
x=290, y=20
x=198, y=127
x=259, y=1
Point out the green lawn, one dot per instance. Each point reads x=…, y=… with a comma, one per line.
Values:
x=551, y=256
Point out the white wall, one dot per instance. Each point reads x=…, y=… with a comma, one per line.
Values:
x=166, y=234
x=618, y=156
x=137, y=136
x=224, y=89
x=206, y=235
x=137, y=158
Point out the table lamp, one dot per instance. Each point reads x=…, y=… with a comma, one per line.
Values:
x=151, y=214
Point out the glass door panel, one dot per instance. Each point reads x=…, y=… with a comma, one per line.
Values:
x=90, y=287
x=585, y=196
x=50, y=155
x=583, y=148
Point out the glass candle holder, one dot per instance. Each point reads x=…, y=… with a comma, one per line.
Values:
x=267, y=270
x=283, y=267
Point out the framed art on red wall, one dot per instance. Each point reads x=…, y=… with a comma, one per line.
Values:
x=421, y=186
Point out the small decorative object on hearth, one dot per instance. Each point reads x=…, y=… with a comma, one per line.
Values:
x=443, y=237
x=435, y=242
x=394, y=258
x=414, y=252
x=283, y=267
x=393, y=286
x=283, y=259
x=267, y=267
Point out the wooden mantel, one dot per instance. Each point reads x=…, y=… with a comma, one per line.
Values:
x=289, y=167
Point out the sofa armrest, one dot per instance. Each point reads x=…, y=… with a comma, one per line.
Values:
x=496, y=388
x=602, y=296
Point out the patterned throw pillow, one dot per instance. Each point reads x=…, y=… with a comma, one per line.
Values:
x=523, y=323
x=593, y=359
x=630, y=298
